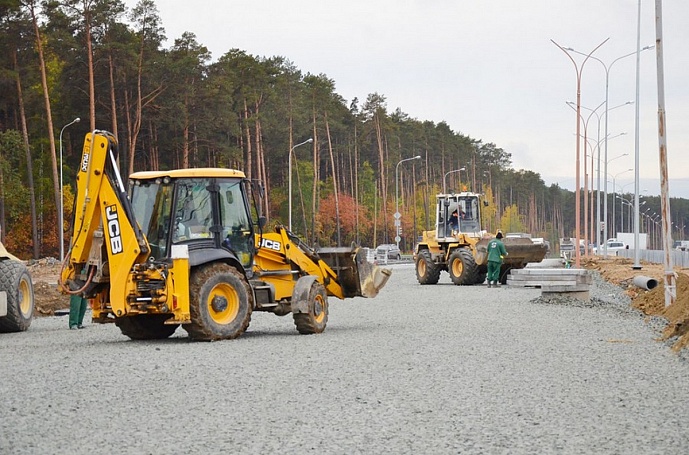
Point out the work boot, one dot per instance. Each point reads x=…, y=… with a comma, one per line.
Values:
x=489, y=284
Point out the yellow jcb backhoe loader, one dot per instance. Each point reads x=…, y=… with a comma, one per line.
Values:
x=184, y=247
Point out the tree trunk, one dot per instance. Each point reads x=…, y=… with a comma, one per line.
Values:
x=113, y=100
x=89, y=55
x=49, y=114
x=247, y=132
x=316, y=160
x=332, y=164
x=381, y=167
x=29, y=160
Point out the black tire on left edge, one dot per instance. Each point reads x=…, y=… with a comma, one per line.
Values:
x=15, y=280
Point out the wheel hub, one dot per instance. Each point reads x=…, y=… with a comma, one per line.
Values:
x=219, y=304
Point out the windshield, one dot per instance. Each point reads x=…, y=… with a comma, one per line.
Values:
x=152, y=204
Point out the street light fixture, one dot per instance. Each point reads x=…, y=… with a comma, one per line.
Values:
x=614, y=225
x=61, y=213
x=289, y=182
x=607, y=86
x=450, y=172
x=606, y=138
x=398, y=216
x=577, y=215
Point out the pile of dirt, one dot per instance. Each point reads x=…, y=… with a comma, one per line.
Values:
x=651, y=303
x=47, y=298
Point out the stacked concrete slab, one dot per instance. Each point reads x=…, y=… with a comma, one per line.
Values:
x=572, y=282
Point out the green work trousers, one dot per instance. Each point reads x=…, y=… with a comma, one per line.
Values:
x=493, y=275
x=77, y=310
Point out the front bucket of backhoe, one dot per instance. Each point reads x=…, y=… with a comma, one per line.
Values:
x=357, y=276
x=520, y=251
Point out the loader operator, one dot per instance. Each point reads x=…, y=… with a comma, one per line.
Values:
x=496, y=253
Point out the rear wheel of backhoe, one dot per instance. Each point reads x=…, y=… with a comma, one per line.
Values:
x=315, y=320
x=146, y=326
x=16, y=282
x=427, y=272
x=219, y=303
x=462, y=267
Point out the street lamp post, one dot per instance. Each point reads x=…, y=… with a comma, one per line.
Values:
x=577, y=210
x=398, y=216
x=289, y=182
x=607, y=85
x=450, y=172
x=614, y=225
x=61, y=213
x=606, y=139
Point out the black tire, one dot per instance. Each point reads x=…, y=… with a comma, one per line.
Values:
x=462, y=267
x=146, y=326
x=219, y=303
x=427, y=272
x=399, y=257
x=15, y=280
x=317, y=317
x=504, y=273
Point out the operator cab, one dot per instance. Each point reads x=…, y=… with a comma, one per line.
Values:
x=468, y=215
x=205, y=209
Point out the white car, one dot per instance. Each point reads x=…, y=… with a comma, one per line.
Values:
x=613, y=247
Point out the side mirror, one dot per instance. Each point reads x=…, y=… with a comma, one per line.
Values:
x=485, y=203
x=261, y=222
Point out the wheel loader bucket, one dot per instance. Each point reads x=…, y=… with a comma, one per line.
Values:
x=356, y=276
x=520, y=251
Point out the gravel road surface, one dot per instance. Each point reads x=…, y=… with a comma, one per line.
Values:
x=420, y=369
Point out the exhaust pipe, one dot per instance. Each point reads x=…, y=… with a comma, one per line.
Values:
x=645, y=282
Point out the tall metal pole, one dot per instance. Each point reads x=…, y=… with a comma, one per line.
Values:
x=637, y=250
x=577, y=210
x=398, y=215
x=665, y=218
x=61, y=212
x=289, y=182
x=605, y=159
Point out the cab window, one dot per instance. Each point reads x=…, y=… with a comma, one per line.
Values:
x=193, y=211
x=237, y=232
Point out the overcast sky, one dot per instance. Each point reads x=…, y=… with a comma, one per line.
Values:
x=486, y=67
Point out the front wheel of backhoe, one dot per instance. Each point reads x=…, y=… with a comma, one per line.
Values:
x=146, y=326
x=219, y=303
x=462, y=267
x=316, y=317
x=427, y=272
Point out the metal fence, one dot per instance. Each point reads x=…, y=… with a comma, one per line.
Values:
x=679, y=258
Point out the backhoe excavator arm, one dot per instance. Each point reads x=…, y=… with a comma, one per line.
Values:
x=106, y=240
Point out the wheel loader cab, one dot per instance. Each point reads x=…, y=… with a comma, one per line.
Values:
x=204, y=209
x=467, y=211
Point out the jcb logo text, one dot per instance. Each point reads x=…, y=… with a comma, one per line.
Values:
x=114, y=231
x=271, y=244
x=84, y=162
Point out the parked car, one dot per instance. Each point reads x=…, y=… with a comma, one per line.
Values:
x=388, y=251
x=613, y=246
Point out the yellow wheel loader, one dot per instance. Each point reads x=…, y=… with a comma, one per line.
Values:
x=186, y=248
x=458, y=244
x=16, y=294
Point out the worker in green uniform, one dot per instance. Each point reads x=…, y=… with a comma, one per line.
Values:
x=77, y=310
x=496, y=253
